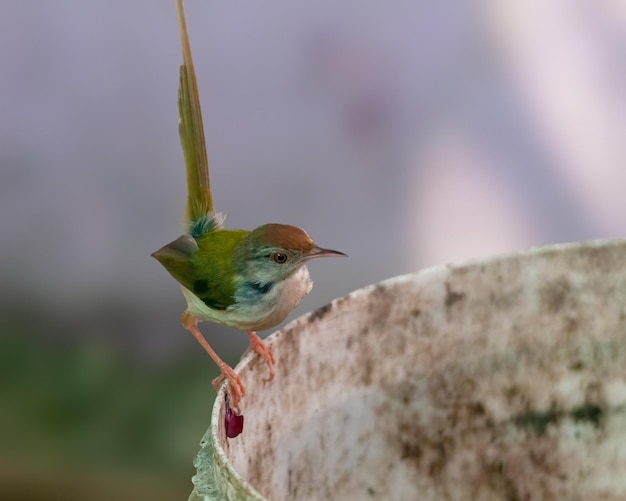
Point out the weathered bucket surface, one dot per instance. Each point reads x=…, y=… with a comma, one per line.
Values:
x=502, y=378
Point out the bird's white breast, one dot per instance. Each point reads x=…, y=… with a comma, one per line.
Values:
x=265, y=312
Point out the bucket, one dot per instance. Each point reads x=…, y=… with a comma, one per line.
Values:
x=502, y=378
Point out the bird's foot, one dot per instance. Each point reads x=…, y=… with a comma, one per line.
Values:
x=263, y=350
x=235, y=386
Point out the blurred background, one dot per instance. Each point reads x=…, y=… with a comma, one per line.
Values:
x=404, y=133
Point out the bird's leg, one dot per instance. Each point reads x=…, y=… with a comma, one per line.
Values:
x=262, y=349
x=235, y=385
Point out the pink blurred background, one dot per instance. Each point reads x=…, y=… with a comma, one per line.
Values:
x=403, y=133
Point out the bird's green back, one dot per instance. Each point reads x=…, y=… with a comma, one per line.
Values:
x=212, y=272
x=205, y=265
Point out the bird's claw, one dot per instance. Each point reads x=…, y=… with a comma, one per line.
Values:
x=263, y=350
x=235, y=386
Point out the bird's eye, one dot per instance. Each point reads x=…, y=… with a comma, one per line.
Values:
x=279, y=257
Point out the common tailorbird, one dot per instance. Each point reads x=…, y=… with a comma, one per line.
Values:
x=249, y=280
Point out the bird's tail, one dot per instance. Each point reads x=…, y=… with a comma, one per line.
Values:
x=191, y=130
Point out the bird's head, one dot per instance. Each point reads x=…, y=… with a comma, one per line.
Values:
x=272, y=252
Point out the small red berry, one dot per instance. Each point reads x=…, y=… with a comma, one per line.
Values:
x=233, y=422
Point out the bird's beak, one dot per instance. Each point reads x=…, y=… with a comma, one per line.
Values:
x=316, y=252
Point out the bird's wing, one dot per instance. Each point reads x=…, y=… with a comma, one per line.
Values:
x=191, y=130
x=204, y=266
x=177, y=258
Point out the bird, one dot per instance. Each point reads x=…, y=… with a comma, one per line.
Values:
x=247, y=280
